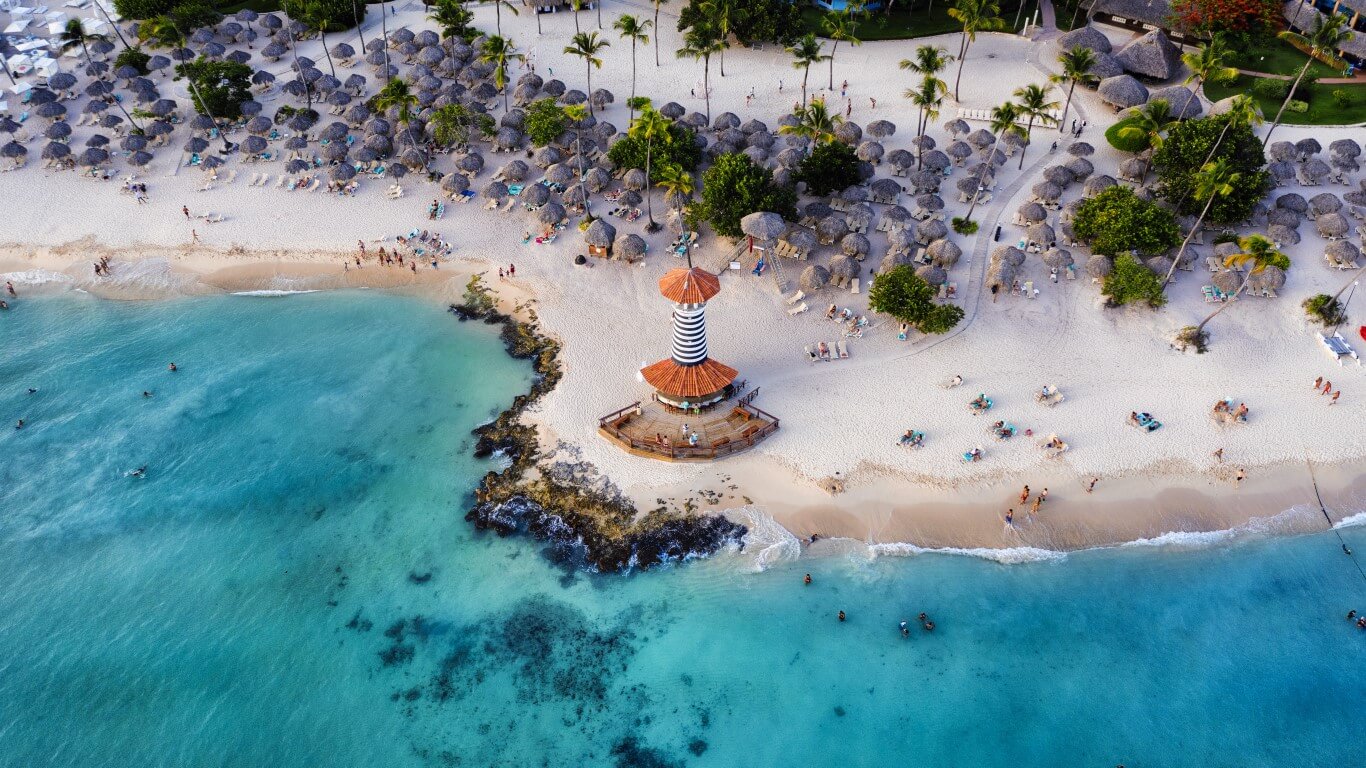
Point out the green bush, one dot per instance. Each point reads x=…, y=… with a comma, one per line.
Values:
x=1295, y=105
x=901, y=293
x=1271, y=87
x=223, y=85
x=1187, y=148
x=1116, y=222
x=133, y=57
x=545, y=121
x=1130, y=281
x=143, y=9
x=964, y=226
x=339, y=14
x=1131, y=144
x=735, y=187
x=1342, y=98
x=831, y=166
x=680, y=149
x=1325, y=309
x=777, y=21
x=190, y=16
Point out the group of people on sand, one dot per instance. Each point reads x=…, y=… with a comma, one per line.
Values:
x=1226, y=406
x=1034, y=508
x=1325, y=387
x=102, y=267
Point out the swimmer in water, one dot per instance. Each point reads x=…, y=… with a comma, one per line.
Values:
x=19, y=424
x=807, y=580
x=172, y=368
x=905, y=631
x=145, y=393
x=140, y=471
x=841, y=615
x=923, y=616
x=1352, y=614
x=929, y=626
x=32, y=391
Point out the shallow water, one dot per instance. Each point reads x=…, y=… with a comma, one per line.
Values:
x=292, y=584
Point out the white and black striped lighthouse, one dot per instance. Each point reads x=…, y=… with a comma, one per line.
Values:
x=689, y=378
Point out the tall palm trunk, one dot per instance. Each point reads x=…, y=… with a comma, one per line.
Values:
x=805, y=74
x=323, y=34
x=355, y=14
x=117, y=31
x=538, y=19
x=498, y=16
x=1288, y=97
x=599, y=7
x=1029, y=131
x=706, y=85
x=977, y=194
x=633, y=79
x=649, y=201
x=919, y=131
x=576, y=18
x=1182, y=250
x=308, y=89
x=1063, y=120
x=1199, y=82
x=589, y=64
x=1199, y=329
x=1208, y=158
x=656, y=33
x=833, y=48
x=1349, y=283
x=962, y=57
x=384, y=30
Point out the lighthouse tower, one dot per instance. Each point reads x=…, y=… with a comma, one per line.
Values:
x=689, y=378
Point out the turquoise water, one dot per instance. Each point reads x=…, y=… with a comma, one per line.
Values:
x=292, y=584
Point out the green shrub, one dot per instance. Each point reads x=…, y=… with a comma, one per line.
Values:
x=339, y=14
x=545, y=121
x=1342, y=98
x=777, y=21
x=831, y=166
x=1130, y=281
x=680, y=149
x=1116, y=222
x=1325, y=309
x=735, y=187
x=1131, y=144
x=133, y=57
x=901, y=293
x=223, y=85
x=1295, y=105
x=143, y=9
x=964, y=226
x=1271, y=87
x=1187, y=148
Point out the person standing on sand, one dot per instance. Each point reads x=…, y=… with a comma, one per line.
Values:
x=9, y=288
x=1219, y=455
x=1043, y=496
x=512, y=270
x=1010, y=518
x=500, y=273
x=1327, y=387
x=1336, y=395
x=1092, y=485
x=194, y=236
x=185, y=209
x=1238, y=479
x=1318, y=383
x=873, y=101
x=413, y=264
x=1024, y=494
x=361, y=245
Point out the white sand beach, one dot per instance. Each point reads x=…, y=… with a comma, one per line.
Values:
x=838, y=417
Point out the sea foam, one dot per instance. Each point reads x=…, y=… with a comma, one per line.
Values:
x=767, y=543
x=272, y=292
x=1003, y=555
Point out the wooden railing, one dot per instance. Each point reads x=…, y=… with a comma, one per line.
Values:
x=612, y=424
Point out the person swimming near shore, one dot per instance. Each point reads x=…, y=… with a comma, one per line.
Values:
x=146, y=393
x=33, y=390
x=172, y=368
x=19, y=424
x=841, y=615
x=905, y=630
x=139, y=472
x=807, y=579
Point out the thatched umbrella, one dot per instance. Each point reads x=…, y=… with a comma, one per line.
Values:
x=1293, y=201
x=551, y=214
x=495, y=190
x=471, y=163
x=1099, y=265
x=1085, y=37
x=1324, y=202
x=1158, y=265
x=1342, y=251
x=860, y=216
x=1097, y=184
x=870, y=151
x=896, y=217
x=1008, y=254
x=1080, y=149
x=634, y=179
x=93, y=156
x=1283, y=234
x=255, y=145
x=763, y=226
x=535, y=195
x=925, y=181
x=1056, y=258
x=1122, y=92
x=944, y=252
x=848, y=133
x=902, y=240
x=1331, y=225
x=1041, y=234
x=1152, y=55
x=1282, y=151
x=597, y=180
x=1183, y=103
x=1058, y=175
x=854, y=245
x=1308, y=147
x=1268, y=278
x=1315, y=170
x=935, y=160
x=959, y=152
x=813, y=278
x=981, y=138
x=1281, y=171
x=854, y=194
x=455, y=183
x=957, y=127
x=1032, y=213
x=343, y=172
x=1001, y=276
x=629, y=247
x=843, y=269
x=831, y=228
x=928, y=204
x=140, y=158
x=575, y=195
x=1133, y=168
x=881, y=129
x=932, y=274
x=800, y=239
x=629, y=198
x=600, y=235
x=817, y=210
x=1345, y=148
x=901, y=159
x=1080, y=168
x=894, y=259
x=930, y=230
x=1227, y=281
x=57, y=131
x=559, y=174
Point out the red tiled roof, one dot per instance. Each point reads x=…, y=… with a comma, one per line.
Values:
x=676, y=380
x=689, y=286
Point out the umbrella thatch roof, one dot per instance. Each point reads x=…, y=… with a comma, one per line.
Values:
x=870, y=151
x=831, y=228
x=1047, y=191
x=13, y=149
x=844, y=268
x=1268, y=278
x=1099, y=265
x=894, y=259
x=1080, y=149
x=1152, y=55
x=495, y=190
x=814, y=278
x=1292, y=201
x=1059, y=174
x=1040, y=233
x=1342, y=251
x=881, y=129
x=1227, y=281
x=1056, y=258
x=944, y=252
x=551, y=214
x=849, y=133
x=629, y=247
x=600, y=234
x=1308, y=146
x=800, y=238
x=957, y=127
x=1182, y=100
x=930, y=230
x=343, y=172
x=1096, y=184
x=1283, y=234
x=1080, y=168
x=1085, y=37
x=1009, y=254
x=1325, y=202
x=932, y=274
x=455, y=182
x=1001, y=275
x=535, y=195
x=1283, y=217
x=1331, y=225
x=855, y=245
x=763, y=226
x=1315, y=169
x=981, y=138
x=1122, y=91
x=1282, y=151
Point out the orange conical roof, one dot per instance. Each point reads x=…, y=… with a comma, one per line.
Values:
x=705, y=378
x=689, y=286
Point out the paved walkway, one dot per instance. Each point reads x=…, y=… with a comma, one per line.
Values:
x=1355, y=80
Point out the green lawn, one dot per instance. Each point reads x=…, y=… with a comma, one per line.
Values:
x=1322, y=109
x=906, y=21
x=1277, y=57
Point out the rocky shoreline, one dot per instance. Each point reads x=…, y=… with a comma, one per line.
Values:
x=585, y=521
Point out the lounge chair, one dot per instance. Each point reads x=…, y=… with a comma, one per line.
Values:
x=796, y=297
x=797, y=310
x=843, y=347
x=853, y=285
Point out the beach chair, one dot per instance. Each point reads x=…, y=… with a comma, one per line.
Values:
x=232, y=176
x=796, y=297
x=797, y=310
x=843, y=347
x=1029, y=291
x=853, y=285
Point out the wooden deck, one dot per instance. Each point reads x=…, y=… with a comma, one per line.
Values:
x=727, y=428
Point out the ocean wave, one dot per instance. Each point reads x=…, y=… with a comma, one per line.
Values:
x=1351, y=521
x=1004, y=555
x=766, y=543
x=38, y=278
x=1292, y=520
x=273, y=292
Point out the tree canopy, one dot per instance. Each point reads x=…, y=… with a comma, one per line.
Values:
x=830, y=167
x=735, y=187
x=337, y=14
x=1187, y=149
x=1206, y=17
x=1130, y=281
x=904, y=295
x=223, y=85
x=680, y=150
x=544, y=121
x=773, y=21
x=1116, y=222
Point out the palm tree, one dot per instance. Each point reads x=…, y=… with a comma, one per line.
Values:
x=927, y=98
x=650, y=126
x=814, y=122
x=1034, y=105
x=1149, y=122
x=805, y=52
x=587, y=45
x=838, y=26
x=701, y=43
x=577, y=5
x=676, y=182
x=975, y=16
x=74, y=34
x=1257, y=254
x=1207, y=63
x=316, y=19
x=104, y=12
x=1076, y=68
x=396, y=94
x=1212, y=181
x=1242, y=111
x=499, y=51
x=1003, y=121
x=498, y=6
x=1328, y=33
x=656, y=26
x=577, y=114
x=718, y=13
x=636, y=31
x=451, y=124
x=450, y=15
x=598, y=6
x=355, y=16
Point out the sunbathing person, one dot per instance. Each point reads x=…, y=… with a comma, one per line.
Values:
x=908, y=438
x=830, y=313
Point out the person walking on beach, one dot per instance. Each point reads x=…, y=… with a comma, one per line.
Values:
x=500, y=273
x=194, y=236
x=1038, y=502
x=1219, y=455
x=1010, y=518
x=873, y=102
x=1238, y=479
x=9, y=288
x=1327, y=387
x=1336, y=395
x=185, y=209
x=1024, y=494
x=1318, y=383
x=1092, y=485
